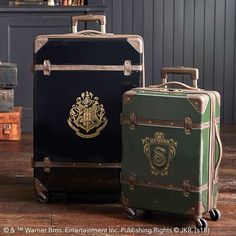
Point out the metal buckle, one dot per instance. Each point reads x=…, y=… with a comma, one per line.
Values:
x=188, y=125
x=46, y=164
x=133, y=121
x=127, y=68
x=186, y=188
x=132, y=181
x=7, y=129
x=4, y=96
x=46, y=67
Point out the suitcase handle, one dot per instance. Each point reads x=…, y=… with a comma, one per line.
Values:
x=92, y=33
x=194, y=72
x=88, y=18
x=173, y=83
x=220, y=151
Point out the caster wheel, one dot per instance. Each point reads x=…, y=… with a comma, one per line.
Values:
x=43, y=197
x=133, y=213
x=201, y=224
x=215, y=214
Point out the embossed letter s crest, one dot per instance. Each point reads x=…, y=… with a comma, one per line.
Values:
x=87, y=117
x=160, y=152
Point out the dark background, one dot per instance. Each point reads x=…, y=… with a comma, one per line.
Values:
x=198, y=33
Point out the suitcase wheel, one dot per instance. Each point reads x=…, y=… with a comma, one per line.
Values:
x=215, y=214
x=43, y=197
x=201, y=224
x=133, y=213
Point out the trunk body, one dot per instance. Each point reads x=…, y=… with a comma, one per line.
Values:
x=78, y=87
x=170, y=150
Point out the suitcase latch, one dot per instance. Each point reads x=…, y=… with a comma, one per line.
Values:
x=186, y=188
x=188, y=125
x=6, y=129
x=132, y=182
x=133, y=121
x=46, y=67
x=46, y=164
x=127, y=68
x=4, y=96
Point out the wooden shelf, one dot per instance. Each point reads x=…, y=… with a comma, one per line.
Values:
x=49, y=9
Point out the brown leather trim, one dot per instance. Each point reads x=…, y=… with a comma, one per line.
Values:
x=126, y=203
x=128, y=96
x=88, y=67
x=197, y=210
x=156, y=184
x=39, y=187
x=164, y=123
x=78, y=165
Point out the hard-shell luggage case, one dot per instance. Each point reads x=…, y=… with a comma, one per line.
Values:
x=10, y=124
x=171, y=149
x=8, y=75
x=78, y=87
x=6, y=100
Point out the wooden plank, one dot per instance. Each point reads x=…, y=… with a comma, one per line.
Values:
x=209, y=45
x=138, y=17
x=127, y=16
x=26, y=219
x=158, y=40
x=16, y=165
x=178, y=59
x=117, y=17
x=109, y=15
x=188, y=35
x=148, y=39
x=219, y=48
x=199, y=39
x=234, y=106
x=168, y=33
x=229, y=61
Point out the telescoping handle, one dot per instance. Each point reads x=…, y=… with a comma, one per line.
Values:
x=89, y=18
x=194, y=72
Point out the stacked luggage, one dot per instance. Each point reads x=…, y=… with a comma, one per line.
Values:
x=169, y=138
x=10, y=116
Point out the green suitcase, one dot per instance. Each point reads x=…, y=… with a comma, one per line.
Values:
x=171, y=149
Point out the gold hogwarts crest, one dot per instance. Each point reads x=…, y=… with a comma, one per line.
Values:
x=160, y=152
x=87, y=116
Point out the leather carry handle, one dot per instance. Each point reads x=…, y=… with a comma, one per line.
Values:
x=92, y=33
x=89, y=18
x=164, y=85
x=220, y=151
x=194, y=72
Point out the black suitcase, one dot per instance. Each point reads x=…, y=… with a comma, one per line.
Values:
x=78, y=87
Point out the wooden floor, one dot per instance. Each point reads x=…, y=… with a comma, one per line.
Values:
x=20, y=210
